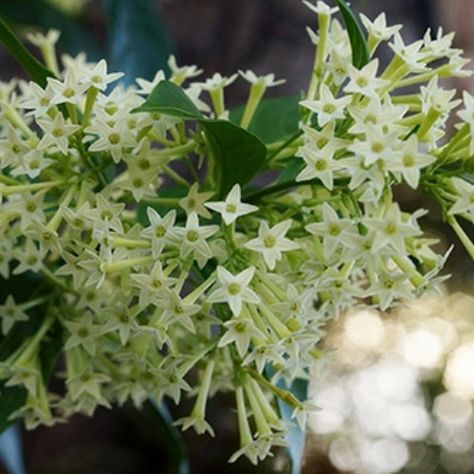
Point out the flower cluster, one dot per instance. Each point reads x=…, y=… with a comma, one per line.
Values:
x=142, y=271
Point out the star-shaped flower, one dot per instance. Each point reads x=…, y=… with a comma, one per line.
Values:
x=232, y=207
x=271, y=242
x=234, y=289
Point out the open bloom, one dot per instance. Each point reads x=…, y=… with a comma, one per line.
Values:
x=231, y=208
x=234, y=289
x=271, y=242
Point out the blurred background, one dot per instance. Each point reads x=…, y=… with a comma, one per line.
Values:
x=396, y=395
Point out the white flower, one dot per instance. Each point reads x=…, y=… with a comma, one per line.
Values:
x=160, y=230
x=319, y=164
x=112, y=138
x=327, y=106
x=217, y=81
x=265, y=81
x=147, y=86
x=318, y=139
x=12, y=148
x=378, y=113
x=391, y=230
x=378, y=28
x=69, y=90
x=467, y=114
x=271, y=242
x=10, y=313
x=56, y=132
x=98, y=77
x=234, y=289
x=231, y=208
x=32, y=164
x=465, y=197
x=434, y=97
x=240, y=331
x=192, y=239
x=30, y=258
x=388, y=287
x=152, y=284
x=364, y=81
x=320, y=8
x=376, y=146
x=40, y=40
x=411, y=54
x=194, y=201
x=411, y=161
x=333, y=230
x=39, y=100
x=180, y=73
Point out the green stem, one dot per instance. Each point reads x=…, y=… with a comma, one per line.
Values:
x=178, y=179
x=463, y=237
x=283, y=146
x=255, y=96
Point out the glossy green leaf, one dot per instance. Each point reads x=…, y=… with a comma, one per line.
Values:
x=360, y=50
x=240, y=155
x=32, y=66
x=290, y=172
x=11, y=399
x=138, y=42
x=22, y=288
x=275, y=119
x=169, y=99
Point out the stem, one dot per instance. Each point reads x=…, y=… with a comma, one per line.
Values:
x=288, y=142
x=90, y=100
x=110, y=267
x=54, y=279
x=463, y=237
x=130, y=243
x=405, y=265
x=255, y=96
x=283, y=395
x=217, y=98
x=200, y=406
x=21, y=188
x=53, y=224
x=244, y=428
x=7, y=180
x=320, y=55
x=178, y=179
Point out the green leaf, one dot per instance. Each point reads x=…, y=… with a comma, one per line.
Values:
x=169, y=99
x=11, y=399
x=139, y=44
x=22, y=288
x=290, y=172
x=360, y=50
x=32, y=66
x=240, y=155
x=274, y=119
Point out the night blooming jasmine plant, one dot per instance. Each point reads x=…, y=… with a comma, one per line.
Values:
x=143, y=259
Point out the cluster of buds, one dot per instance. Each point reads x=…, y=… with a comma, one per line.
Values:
x=141, y=272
